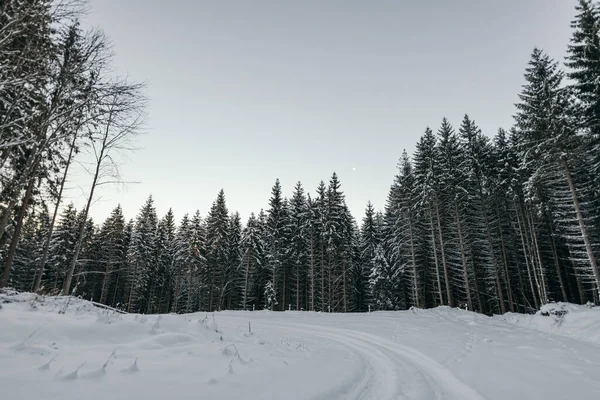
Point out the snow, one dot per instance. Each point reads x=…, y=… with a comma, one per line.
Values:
x=49, y=350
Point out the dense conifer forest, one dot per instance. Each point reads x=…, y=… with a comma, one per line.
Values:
x=489, y=221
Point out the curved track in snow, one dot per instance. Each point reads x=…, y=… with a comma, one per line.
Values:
x=390, y=370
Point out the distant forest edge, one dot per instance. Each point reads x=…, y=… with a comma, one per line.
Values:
x=498, y=224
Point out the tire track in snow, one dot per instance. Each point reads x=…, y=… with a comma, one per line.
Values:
x=393, y=371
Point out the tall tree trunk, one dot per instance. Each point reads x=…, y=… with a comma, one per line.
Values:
x=435, y=259
x=132, y=290
x=496, y=268
x=297, y=286
x=582, y=227
x=105, y=283
x=67, y=282
x=284, y=286
x=344, y=288
x=246, y=277
x=312, y=272
x=17, y=234
x=511, y=301
x=322, y=278
x=443, y=251
x=463, y=258
x=580, y=293
x=541, y=281
x=414, y=263
x=526, y=253
x=42, y=266
x=561, y=282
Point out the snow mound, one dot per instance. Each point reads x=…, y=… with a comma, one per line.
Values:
x=580, y=322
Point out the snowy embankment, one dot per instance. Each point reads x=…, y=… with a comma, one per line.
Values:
x=564, y=319
x=56, y=348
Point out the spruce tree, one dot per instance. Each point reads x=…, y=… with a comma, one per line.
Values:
x=141, y=257
x=217, y=230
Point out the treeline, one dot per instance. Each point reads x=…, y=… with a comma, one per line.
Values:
x=492, y=224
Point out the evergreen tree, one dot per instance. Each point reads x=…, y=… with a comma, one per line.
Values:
x=141, y=257
x=369, y=241
x=217, y=230
x=233, y=272
x=274, y=240
x=252, y=262
x=61, y=249
x=298, y=229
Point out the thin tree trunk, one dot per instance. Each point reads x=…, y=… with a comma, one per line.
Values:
x=329, y=285
x=188, y=305
x=297, y=286
x=582, y=227
x=284, y=297
x=344, y=289
x=435, y=259
x=105, y=283
x=496, y=269
x=247, y=274
x=176, y=294
x=511, y=301
x=526, y=252
x=322, y=278
x=444, y=264
x=312, y=272
x=580, y=292
x=114, y=300
x=557, y=266
x=542, y=275
x=132, y=290
x=17, y=234
x=67, y=282
x=42, y=266
x=463, y=257
x=414, y=263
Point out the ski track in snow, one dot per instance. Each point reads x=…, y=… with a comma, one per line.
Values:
x=393, y=371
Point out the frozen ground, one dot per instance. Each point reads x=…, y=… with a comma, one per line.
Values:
x=90, y=353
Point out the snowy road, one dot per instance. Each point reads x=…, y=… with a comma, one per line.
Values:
x=389, y=370
x=430, y=354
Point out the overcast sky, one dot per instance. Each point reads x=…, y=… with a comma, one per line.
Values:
x=244, y=92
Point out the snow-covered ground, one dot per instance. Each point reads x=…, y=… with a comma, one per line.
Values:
x=90, y=353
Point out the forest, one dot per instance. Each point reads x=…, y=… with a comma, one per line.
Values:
x=490, y=222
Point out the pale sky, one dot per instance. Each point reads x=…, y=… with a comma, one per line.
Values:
x=244, y=92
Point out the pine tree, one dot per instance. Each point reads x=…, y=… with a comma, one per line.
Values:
x=165, y=248
x=428, y=197
x=274, y=241
x=217, y=230
x=141, y=257
x=382, y=282
x=252, y=260
x=113, y=251
x=61, y=249
x=407, y=231
x=298, y=229
x=370, y=239
x=233, y=272
x=180, y=265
